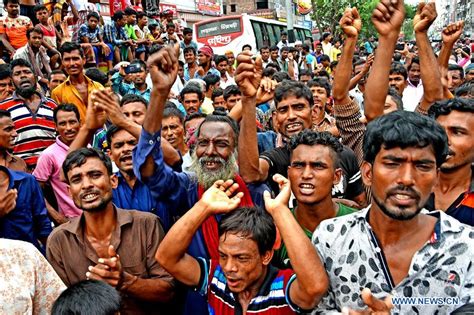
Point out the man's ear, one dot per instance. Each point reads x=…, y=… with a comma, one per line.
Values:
x=114, y=181
x=366, y=172
x=337, y=176
x=267, y=257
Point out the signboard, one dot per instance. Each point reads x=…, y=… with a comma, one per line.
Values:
x=219, y=33
x=172, y=7
x=304, y=7
x=264, y=13
x=211, y=7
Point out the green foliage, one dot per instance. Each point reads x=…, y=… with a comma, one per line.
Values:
x=327, y=13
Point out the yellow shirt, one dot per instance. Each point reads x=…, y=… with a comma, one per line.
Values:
x=66, y=92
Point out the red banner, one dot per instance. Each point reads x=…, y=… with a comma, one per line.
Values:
x=211, y=7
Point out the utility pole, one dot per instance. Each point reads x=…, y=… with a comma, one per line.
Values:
x=289, y=20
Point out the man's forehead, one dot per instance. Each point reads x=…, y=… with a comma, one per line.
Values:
x=215, y=129
x=134, y=106
x=6, y=121
x=122, y=135
x=91, y=164
x=411, y=152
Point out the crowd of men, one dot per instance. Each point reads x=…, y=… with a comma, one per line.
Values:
x=296, y=179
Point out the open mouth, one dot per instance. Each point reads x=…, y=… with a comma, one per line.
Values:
x=293, y=127
x=126, y=158
x=306, y=189
x=89, y=197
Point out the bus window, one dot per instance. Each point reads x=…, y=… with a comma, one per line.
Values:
x=277, y=31
x=300, y=35
x=272, y=37
x=257, y=29
x=308, y=35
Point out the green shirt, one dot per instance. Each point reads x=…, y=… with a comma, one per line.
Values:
x=280, y=257
x=129, y=29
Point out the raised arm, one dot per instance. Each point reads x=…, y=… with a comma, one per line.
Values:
x=248, y=76
x=95, y=119
x=311, y=281
x=171, y=254
x=351, y=25
x=430, y=74
x=355, y=79
x=450, y=35
x=387, y=18
x=163, y=70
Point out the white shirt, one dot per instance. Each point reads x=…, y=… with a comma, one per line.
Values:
x=412, y=96
x=223, y=84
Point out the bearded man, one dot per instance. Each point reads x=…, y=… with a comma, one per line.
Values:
x=214, y=158
x=31, y=113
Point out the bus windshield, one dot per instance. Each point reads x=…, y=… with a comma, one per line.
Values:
x=220, y=32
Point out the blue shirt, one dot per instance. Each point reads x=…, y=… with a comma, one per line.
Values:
x=212, y=70
x=114, y=34
x=122, y=88
x=91, y=34
x=29, y=220
x=181, y=191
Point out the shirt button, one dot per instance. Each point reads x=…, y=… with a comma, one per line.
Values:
x=150, y=142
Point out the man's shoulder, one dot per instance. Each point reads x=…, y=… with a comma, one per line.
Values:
x=140, y=218
x=340, y=226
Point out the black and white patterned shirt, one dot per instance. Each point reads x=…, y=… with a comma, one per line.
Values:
x=442, y=268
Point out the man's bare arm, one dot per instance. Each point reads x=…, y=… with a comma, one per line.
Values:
x=248, y=76
x=387, y=19
x=430, y=74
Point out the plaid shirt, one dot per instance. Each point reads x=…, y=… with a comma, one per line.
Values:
x=91, y=34
x=114, y=35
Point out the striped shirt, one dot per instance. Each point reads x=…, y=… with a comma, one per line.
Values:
x=273, y=297
x=36, y=131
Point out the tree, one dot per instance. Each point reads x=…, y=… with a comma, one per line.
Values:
x=327, y=13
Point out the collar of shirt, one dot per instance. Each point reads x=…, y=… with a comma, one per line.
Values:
x=61, y=144
x=13, y=176
x=414, y=86
x=123, y=218
x=17, y=97
x=68, y=81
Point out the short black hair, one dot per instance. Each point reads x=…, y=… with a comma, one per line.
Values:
x=170, y=25
x=39, y=7
x=281, y=76
x=94, y=15
x=268, y=72
x=452, y=67
x=397, y=57
x=216, y=93
x=465, y=89
x=189, y=49
x=225, y=119
x=36, y=30
x=140, y=15
x=311, y=138
x=397, y=68
x=5, y=113
x=321, y=82
x=20, y=62
x=139, y=62
x=118, y=15
x=132, y=98
x=305, y=72
x=445, y=107
x=403, y=129
x=324, y=58
x=6, y=2
x=111, y=131
x=129, y=11
x=264, y=48
x=219, y=58
x=211, y=79
x=66, y=107
x=273, y=65
x=293, y=88
x=413, y=61
x=250, y=222
x=88, y=297
x=306, y=47
x=78, y=157
x=95, y=74
x=274, y=48
x=5, y=71
x=396, y=98
x=231, y=90
x=173, y=112
x=187, y=30
x=68, y=47
x=246, y=45
x=56, y=71
x=284, y=48
x=325, y=35
x=190, y=89
x=194, y=116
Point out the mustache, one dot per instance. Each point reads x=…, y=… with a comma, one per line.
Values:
x=205, y=159
x=403, y=189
